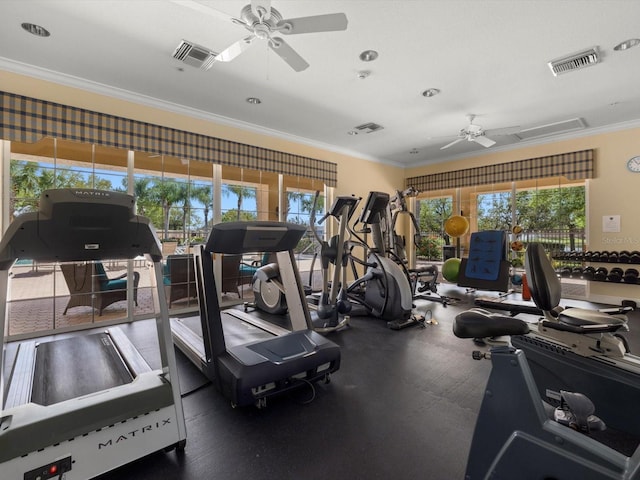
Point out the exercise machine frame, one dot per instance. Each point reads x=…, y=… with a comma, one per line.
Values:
x=83, y=437
x=514, y=436
x=251, y=371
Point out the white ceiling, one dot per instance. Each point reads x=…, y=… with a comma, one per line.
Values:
x=487, y=57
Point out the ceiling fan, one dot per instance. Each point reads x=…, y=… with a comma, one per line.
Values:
x=263, y=22
x=475, y=133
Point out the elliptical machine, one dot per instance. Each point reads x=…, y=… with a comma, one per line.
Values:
x=331, y=306
x=424, y=279
x=384, y=289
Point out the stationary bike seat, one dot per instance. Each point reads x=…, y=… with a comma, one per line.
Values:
x=480, y=323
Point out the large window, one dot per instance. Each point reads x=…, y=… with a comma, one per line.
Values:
x=550, y=210
x=183, y=199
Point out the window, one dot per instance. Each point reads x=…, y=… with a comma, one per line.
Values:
x=183, y=199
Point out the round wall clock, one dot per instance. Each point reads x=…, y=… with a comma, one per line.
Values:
x=633, y=164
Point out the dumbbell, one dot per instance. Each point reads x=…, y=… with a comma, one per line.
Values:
x=634, y=257
x=565, y=272
x=630, y=275
x=615, y=275
x=624, y=256
x=613, y=257
x=604, y=256
x=587, y=256
x=600, y=274
x=588, y=272
x=595, y=256
x=576, y=272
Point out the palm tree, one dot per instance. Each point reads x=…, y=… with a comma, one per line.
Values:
x=203, y=194
x=167, y=194
x=241, y=192
x=24, y=185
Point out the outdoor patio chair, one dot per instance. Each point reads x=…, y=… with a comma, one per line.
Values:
x=180, y=278
x=90, y=286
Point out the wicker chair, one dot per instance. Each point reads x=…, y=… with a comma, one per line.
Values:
x=90, y=286
x=233, y=275
x=180, y=278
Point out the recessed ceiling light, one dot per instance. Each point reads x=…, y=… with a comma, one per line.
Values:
x=254, y=101
x=368, y=55
x=430, y=92
x=627, y=44
x=352, y=132
x=36, y=30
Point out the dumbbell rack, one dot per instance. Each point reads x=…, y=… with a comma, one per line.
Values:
x=621, y=273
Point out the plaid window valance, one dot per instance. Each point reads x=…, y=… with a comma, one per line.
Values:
x=24, y=119
x=572, y=165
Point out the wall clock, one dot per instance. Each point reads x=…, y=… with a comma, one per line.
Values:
x=633, y=164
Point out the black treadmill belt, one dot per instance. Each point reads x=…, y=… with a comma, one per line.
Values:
x=236, y=332
x=77, y=366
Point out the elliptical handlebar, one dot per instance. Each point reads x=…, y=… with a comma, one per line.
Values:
x=312, y=219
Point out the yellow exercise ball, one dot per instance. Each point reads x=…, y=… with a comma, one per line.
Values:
x=456, y=226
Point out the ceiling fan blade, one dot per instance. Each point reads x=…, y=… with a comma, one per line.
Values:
x=234, y=50
x=261, y=8
x=331, y=22
x=452, y=143
x=484, y=141
x=288, y=54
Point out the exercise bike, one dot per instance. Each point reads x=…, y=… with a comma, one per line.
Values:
x=520, y=435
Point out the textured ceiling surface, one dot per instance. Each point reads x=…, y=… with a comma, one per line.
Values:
x=487, y=57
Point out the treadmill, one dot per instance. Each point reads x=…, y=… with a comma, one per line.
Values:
x=246, y=358
x=82, y=405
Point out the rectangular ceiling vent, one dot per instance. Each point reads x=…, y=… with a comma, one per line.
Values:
x=194, y=55
x=552, y=129
x=575, y=61
x=368, y=127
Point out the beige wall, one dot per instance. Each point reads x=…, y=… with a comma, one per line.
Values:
x=613, y=191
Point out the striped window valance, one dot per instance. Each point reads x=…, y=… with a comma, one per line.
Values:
x=28, y=120
x=572, y=165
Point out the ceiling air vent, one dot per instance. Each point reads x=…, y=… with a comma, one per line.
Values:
x=194, y=55
x=369, y=127
x=551, y=129
x=575, y=61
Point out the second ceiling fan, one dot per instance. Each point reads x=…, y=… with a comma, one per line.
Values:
x=475, y=133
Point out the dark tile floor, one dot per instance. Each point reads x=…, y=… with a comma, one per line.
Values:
x=402, y=406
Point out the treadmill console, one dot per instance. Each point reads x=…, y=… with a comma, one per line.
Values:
x=75, y=224
x=257, y=236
